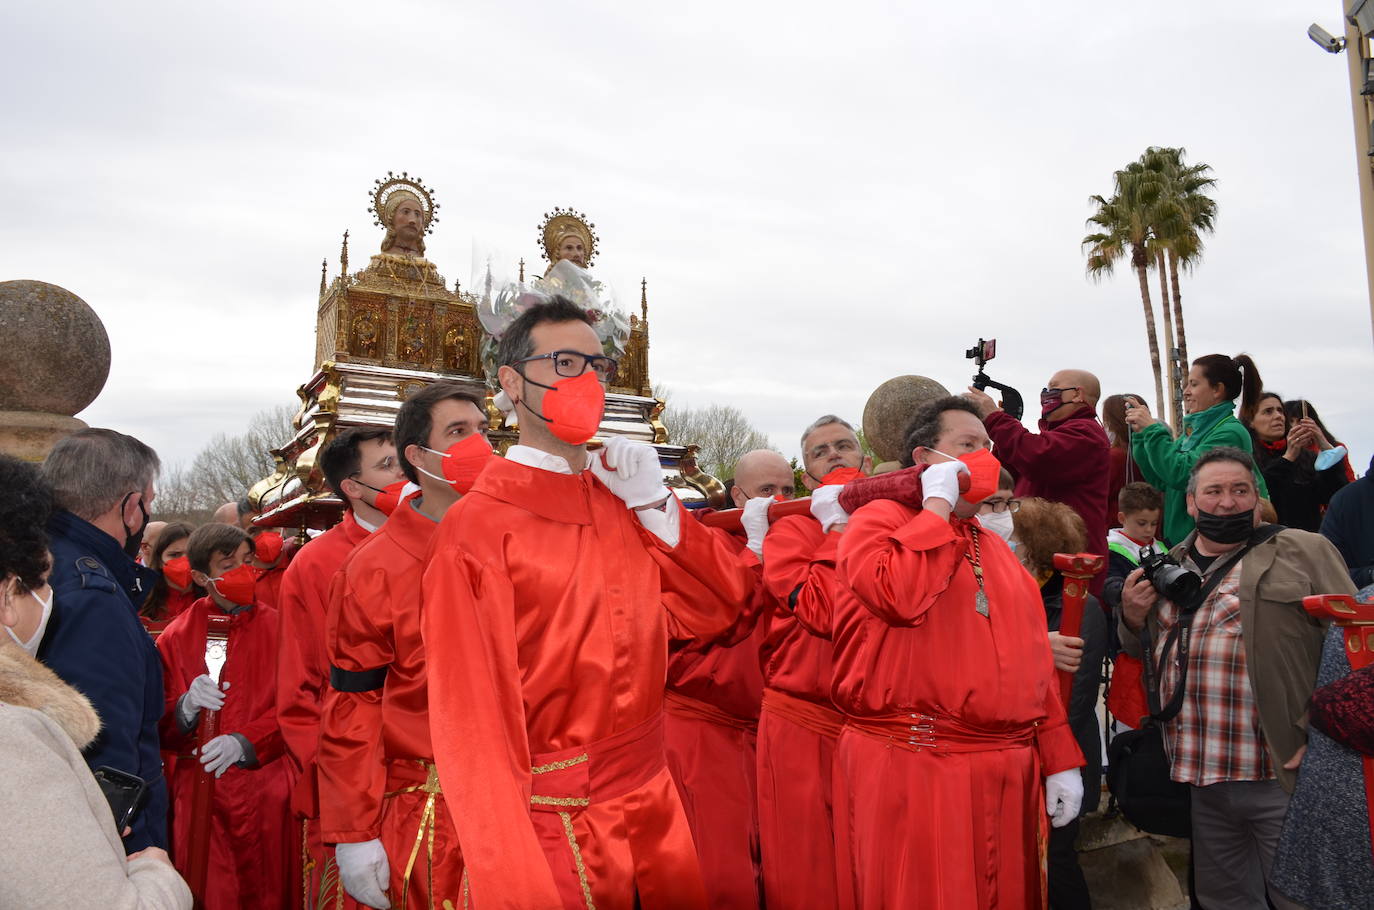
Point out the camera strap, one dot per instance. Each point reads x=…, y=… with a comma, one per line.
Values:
x=1181, y=633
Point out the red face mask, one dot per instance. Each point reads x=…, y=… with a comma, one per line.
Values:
x=267, y=547
x=573, y=407
x=984, y=471
x=178, y=573
x=841, y=476
x=463, y=461
x=236, y=585
x=389, y=497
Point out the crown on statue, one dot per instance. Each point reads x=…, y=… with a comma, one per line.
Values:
x=385, y=195
x=559, y=224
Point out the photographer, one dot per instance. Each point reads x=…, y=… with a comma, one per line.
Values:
x=1251, y=662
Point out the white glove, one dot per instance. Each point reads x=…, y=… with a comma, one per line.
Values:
x=755, y=523
x=631, y=471
x=941, y=481
x=1063, y=796
x=365, y=872
x=825, y=506
x=202, y=693
x=221, y=753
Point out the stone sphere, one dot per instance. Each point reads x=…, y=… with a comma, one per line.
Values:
x=57, y=355
x=889, y=410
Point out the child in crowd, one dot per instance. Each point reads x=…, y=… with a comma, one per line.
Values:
x=1139, y=506
x=248, y=830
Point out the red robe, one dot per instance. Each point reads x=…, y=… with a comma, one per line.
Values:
x=250, y=841
x=302, y=676
x=553, y=608
x=710, y=728
x=268, y=587
x=375, y=755
x=954, y=718
x=799, y=725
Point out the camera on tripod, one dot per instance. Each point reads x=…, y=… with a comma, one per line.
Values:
x=1171, y=580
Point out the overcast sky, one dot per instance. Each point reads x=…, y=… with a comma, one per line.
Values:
x=821, y=196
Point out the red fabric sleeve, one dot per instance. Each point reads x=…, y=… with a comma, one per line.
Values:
x=171, y=644
x=705, y=584
x=299, y=680
x=898, y=562
x=799, y=571
x=477, y=722
x=1060, y=453
x=351, y=762
x=262, y=731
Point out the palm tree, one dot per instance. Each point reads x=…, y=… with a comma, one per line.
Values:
x=1187, y=185
x=1126, y=222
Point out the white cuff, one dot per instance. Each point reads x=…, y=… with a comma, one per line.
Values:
x=663, y=524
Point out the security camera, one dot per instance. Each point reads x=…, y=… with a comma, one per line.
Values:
x=1325, y=40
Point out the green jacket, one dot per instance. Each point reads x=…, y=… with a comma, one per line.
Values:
x=1166, y=462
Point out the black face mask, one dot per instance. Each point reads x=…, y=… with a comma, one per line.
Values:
x=1226, y=529
x=133, y=538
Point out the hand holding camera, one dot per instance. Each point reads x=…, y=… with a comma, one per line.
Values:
x=1138, y=415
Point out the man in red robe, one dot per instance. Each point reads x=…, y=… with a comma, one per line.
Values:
x=710, y=725
x=358, y=465
x=270, y=558
x=799, y=725
x=250, y=838
x=955, y=746
x=552, y=591
x=379, y=794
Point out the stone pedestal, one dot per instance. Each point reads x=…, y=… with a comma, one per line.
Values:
x=30, y=435
x=57, y=360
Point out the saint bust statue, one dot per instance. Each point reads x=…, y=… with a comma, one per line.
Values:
x=405, y=207
x=566, y=234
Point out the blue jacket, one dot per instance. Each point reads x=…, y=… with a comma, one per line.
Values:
x=1349, y=524
x=96, y=643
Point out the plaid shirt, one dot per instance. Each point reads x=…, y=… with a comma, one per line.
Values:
x=1216, y=735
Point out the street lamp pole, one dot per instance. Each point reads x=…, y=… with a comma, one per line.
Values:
x=1357, y=52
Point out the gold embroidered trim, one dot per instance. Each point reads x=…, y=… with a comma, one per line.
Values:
x=577, y=857
x=559, y=801
x=559, y=765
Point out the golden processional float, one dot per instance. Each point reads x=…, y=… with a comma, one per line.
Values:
x=390, y=329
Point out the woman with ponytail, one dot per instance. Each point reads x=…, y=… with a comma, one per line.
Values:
x=1214, y=385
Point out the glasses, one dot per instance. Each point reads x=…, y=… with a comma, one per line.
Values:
x=999, y=505
x=387, y=465
x=570, y=364
x=842, y=446
x=1067, y=388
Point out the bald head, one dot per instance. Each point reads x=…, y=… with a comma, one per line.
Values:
x=227, y=514
x=1086, y=383
x=150, y=535
x=761, y=472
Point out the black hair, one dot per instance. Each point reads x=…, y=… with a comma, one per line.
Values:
x=926, y=424
x=415, y=419
x=341, y=459
x=1239, y=378
x=1220, y=453
x=25, y=508
x=516, y=344
x=1293, y=408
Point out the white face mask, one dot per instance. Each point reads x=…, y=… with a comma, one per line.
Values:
x=31, y=646
x=999, y=523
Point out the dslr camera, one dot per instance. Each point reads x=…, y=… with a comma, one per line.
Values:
x=1171, y=580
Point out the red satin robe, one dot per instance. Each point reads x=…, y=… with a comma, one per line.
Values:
x=250, y=836
x=710, y=728
x=799, y=725
x=302, y=676
x=553, y=607
x=954, y=718
x=375, y=755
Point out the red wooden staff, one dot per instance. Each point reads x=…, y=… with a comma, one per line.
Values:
x=1357, y=622
x=1078, y=570
x=203, y=786
x=729, y=519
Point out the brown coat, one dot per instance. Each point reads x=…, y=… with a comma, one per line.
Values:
x=1283, y=644
x=58, y=843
